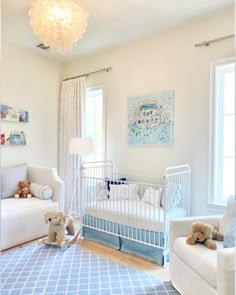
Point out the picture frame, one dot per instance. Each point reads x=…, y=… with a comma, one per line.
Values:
x=150, y=118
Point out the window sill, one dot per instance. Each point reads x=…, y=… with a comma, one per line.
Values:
x=214, y=209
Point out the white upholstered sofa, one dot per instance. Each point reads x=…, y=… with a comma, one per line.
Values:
x=22, y=220
x=196, y=269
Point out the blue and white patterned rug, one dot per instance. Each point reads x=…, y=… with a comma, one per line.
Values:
x=41, y=269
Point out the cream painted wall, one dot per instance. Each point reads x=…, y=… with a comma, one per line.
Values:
x=166, y=61
x=31, y=83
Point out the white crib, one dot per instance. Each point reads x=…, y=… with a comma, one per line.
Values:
x=130, y=212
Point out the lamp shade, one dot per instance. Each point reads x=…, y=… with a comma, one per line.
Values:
x=81, y=146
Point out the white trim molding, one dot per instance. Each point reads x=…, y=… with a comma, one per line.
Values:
x=213, y=209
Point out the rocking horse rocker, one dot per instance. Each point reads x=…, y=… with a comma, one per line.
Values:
x=59, y=223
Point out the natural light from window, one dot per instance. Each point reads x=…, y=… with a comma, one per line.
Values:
x=229, y=132
x=222, y=132
x=94, y=122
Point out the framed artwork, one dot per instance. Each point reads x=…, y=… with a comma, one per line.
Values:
x=150, y=118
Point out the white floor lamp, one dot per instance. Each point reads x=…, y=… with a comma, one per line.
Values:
x=79, y=146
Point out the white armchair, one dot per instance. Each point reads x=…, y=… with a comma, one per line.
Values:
x=196, y=269
x=22, y=220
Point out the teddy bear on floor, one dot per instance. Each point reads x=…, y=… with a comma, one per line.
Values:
x=58, y=223
x=23, y=190
x=205, y=233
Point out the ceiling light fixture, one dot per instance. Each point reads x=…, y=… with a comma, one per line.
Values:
x=59, y=24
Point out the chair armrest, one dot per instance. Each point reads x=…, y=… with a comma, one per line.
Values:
x=226, y=271
x=182, y=227
x=50, y=177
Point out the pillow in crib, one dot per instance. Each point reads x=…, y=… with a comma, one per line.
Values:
x=110, y=181
x=152, y=196
x=102, y=192
x=43, y=192
x=124, y=192
x=171, y=197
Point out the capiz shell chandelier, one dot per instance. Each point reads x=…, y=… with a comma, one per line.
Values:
x=59, y=24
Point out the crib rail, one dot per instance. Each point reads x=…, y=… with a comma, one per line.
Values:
x=136, y=208
x=98, y=169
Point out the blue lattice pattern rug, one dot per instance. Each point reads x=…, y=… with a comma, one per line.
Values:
x=41, y=269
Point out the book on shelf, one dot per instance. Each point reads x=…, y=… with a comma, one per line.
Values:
x=13, y=138
x=18, y=138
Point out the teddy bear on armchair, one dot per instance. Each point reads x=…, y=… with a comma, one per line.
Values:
x=23, y=190
x=205, y=233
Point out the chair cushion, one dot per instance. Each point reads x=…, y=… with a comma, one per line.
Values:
x=22, y=220
x=12, y=205
x=229, y=238
x=9, y=179
x=230, y=213
x=198, y=257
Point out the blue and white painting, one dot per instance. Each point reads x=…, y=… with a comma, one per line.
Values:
x=150, y=118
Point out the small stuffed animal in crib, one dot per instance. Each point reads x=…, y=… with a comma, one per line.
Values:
x=58, y=223
x=23, y=190
x=205, y=233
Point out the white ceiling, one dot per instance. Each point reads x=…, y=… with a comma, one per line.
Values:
x=111, y=22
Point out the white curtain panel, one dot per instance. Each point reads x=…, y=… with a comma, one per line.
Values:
x=72, y=95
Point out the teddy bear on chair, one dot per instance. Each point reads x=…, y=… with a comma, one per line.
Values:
x=58, y=223
x=23, y=190
x=205, y=233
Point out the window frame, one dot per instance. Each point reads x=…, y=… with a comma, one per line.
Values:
x=104, y=139
x=213, y=198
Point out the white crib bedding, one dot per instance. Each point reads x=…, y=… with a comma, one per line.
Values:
x=133, y=213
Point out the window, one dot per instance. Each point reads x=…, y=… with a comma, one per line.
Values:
x=222, y=132
x=93, y=122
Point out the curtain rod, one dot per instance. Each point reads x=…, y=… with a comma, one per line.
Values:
x=87, y=74
x=206, y=43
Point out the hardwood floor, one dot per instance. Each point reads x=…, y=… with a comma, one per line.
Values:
x=130, y=260
x=127, y=259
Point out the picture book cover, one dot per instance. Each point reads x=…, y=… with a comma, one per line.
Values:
x=7, y=137
x=4, y=111
x=2, y=138
x=18, y=138
x=13, y=115
x=23, y=116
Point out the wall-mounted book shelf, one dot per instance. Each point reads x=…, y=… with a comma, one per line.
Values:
x=10, y=114
x=15, y=138
x=13, y=115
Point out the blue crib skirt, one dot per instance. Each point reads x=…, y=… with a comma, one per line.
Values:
x=101, y=237
x=119, y=241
